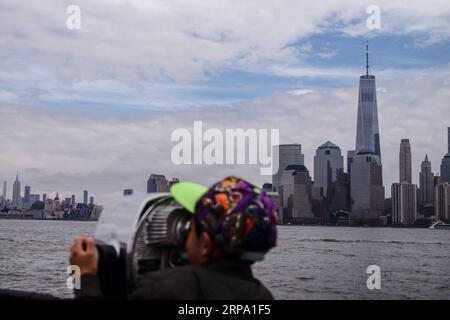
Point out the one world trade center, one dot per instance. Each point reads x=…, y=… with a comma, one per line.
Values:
x=367, y=132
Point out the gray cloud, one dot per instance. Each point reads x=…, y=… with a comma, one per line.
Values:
x=184, y=40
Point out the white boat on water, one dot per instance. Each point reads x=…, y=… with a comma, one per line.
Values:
x=440, y=225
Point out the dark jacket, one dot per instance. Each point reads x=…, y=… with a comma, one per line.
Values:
x=217, y=280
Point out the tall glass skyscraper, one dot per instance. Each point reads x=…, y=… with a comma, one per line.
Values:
x=16, y=199
x=367, y=133
x=405, y=161
x=426, y=194
x=365, y=169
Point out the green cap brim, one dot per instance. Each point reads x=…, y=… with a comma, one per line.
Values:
x=187, y=194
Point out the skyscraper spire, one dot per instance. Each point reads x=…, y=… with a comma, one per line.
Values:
x=367, y=58
x=405, y=161
x=426, y=180
x=448, y=138
x=16, y=198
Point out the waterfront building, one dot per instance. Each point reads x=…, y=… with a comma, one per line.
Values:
x=426, y=183
x=404, y=203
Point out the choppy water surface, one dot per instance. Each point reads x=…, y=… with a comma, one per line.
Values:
x=308, y=263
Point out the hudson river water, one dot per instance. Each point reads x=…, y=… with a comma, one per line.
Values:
x=308, y=263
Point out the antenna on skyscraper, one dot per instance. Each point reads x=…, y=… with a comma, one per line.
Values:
x=367, y=58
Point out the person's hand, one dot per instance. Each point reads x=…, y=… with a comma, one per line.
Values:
x=82, y=254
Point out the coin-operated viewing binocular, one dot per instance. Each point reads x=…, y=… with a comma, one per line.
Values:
x=140, y=234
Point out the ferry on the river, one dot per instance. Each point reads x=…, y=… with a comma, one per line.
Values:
x=440, y=225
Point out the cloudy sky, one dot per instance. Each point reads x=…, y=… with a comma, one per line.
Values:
x=94, y=108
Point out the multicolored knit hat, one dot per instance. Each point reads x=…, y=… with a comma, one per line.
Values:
x=238, y=216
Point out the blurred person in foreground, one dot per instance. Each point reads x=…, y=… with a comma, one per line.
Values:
x=233, y=225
